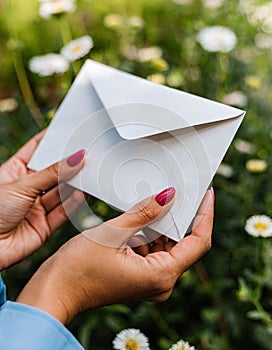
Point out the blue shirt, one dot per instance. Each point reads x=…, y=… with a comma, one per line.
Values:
x=24, y=327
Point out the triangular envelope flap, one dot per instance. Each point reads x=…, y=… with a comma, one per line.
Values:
x=140, y=108
x=80, y=103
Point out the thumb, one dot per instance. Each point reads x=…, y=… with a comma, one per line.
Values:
x=49, y=177
x=116, y=232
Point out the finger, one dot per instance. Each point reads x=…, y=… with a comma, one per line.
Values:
x=117, y=231
x=59, y=215
x=170, y=245
x=45, y=179
x=145, y=212
x=56, y=195
x=15, y=167
x=159, y=244
x=139, y=244
x=193, y=247
x=25, y=152
x=158, y=241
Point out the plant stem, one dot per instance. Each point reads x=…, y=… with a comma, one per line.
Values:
x=26, y=89
x=22, y=76
x=66, y=35
x=162, y=324
x=203, y=276
x=65, y=30
x=266, y=317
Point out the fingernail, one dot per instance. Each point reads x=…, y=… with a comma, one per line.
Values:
x=165, y=196
x=212, y=192
x=75, y=158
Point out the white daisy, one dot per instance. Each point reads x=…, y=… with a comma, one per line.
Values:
x=48, y=64
x=135, y=22
x=267, y=25
x=183, y=2
x=225, y=170
x=8, y=105
x=213, y=4
x=182, y=345
x=258, y=14
x=144, y=54
x=130, y=339
x=54, y=7
x=247, y=6
x=217, y=39
x=113, y=20
x=130, y=52
x=256, y=165
x=263, y=41
x=259, y=226
x=77, y=48
x=244, y=146
x=236, y=98
x=149, y=53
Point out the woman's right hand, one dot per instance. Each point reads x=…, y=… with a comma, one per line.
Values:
x=85, y=274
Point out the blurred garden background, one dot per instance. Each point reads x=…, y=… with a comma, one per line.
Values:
x=219, y=49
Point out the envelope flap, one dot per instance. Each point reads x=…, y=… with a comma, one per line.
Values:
x=140, y=108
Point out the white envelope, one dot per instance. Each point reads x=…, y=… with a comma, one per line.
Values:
x=140, y=138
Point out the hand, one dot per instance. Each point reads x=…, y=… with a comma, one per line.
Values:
x=84, y=274
x=27, y=216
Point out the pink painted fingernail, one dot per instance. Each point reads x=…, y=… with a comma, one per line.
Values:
x=212, y=191
x=165, y=196
x=76, y=158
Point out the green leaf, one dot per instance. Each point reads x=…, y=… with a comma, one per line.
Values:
x=255, y=315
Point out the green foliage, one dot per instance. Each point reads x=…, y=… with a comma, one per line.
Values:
x=224, y=302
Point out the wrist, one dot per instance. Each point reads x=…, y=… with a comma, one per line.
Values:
x=46, y=292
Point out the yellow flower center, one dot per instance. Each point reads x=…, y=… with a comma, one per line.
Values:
x=76, y=48
x=131, y=344
x=261, y=226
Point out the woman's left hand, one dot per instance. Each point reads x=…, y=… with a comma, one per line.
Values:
x=99, y=267
x=31, y=207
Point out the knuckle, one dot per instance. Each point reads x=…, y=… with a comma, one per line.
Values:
x=147, y=213
x=54, y=170
x=208, y=245
x=52, y=173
